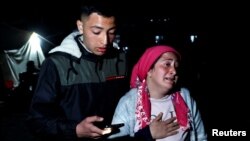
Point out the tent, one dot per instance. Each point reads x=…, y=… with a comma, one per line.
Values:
x=18, y=47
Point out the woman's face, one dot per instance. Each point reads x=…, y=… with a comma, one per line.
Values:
x=164, y=73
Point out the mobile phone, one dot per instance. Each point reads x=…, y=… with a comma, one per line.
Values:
x=112, y=128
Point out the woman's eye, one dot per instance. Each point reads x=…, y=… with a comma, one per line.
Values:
x=168, y=64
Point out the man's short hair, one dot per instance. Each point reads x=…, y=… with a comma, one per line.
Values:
x=105, y=8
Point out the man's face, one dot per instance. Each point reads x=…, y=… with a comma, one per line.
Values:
x=98, y=32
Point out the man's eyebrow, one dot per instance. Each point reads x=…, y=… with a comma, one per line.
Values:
x=95, y=26
x=98, y=27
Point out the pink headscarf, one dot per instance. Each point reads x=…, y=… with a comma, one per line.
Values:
x=139, y=74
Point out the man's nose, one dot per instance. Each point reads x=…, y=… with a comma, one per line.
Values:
x=104, y=39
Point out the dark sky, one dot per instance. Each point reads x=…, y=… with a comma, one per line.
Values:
x=53, y=19
x=46, y=17
x=57, y=19
x=220, y=56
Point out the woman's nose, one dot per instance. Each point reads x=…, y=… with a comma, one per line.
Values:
x=173, y=70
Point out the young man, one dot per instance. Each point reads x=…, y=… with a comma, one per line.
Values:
x=81, y=81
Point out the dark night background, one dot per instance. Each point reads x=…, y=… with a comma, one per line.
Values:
x=215, y=65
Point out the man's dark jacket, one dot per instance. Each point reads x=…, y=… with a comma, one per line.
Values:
x=74, y=84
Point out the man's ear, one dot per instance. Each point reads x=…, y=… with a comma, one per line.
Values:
x=79, y=26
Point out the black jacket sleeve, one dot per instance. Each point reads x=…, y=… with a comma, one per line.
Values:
x=46, y=119
x=144, y=134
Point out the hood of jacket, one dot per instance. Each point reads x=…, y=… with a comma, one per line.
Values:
x=69, y=45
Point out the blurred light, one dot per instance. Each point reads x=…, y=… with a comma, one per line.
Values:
x=125, y=49
x=116, y=42
x=115, y=45
x=35, y=40
x=193, y=38
x=158, y=39
x=117, y=39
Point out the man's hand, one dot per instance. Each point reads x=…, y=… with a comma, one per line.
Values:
x=160, y=129
x=87, y=129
